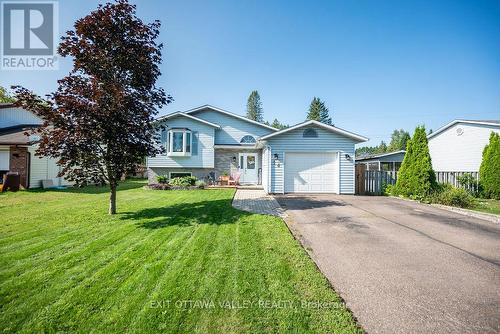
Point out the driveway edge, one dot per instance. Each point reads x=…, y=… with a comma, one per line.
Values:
x=470, y=213
x=291, y=226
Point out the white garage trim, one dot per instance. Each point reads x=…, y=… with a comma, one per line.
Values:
x=311, y=172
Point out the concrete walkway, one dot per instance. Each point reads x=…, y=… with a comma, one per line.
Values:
x=257, y=201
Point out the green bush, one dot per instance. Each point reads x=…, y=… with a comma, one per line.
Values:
x=162, y=179
x=185, y=181
x=389, y=189
x=453, y=197
x=416, y=179
x=201, y=184
x=489, y=172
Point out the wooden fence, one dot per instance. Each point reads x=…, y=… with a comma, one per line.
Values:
x=370, y=182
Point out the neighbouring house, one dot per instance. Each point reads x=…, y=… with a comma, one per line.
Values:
x=307, y=157
x=17, y=150
x=458, y=146
x=389, y=162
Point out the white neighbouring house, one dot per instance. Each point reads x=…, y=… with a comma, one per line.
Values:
x=17, y=150
x=458, y=146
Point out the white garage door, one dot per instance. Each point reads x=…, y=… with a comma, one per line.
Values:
x=311, y=172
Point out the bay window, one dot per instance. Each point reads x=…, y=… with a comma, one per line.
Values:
x=179, y=142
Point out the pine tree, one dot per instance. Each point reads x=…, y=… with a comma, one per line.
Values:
x=254, y=107
x=416, y=178
x=489, y=172
x=278, y=125
x=319, y=112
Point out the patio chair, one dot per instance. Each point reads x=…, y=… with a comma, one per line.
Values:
x=211, y=178
x=234, y=179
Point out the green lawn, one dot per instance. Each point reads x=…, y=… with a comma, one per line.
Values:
x=170, y=262
x=488, y=206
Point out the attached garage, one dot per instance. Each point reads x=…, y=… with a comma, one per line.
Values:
x=310, y=157
x=311, y=172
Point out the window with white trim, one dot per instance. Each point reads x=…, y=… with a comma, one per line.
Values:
x=179, y=142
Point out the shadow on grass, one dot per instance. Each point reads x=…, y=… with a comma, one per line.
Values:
x=216, y=212
x=124, y=185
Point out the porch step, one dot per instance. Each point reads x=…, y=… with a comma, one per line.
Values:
x=250, y=186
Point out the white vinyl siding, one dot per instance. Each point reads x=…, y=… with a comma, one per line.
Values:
x=451, y=152
x=202, y=146
x=42, y=168
x=311, y=172
x=326, y=142
x=4, y=159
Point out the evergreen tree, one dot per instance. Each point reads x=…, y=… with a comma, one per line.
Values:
x=254, y=107
x=489, y=172
x=416, y=178
x=382, y=148
x=399, y=138
x=319, y=112
x=278, y=125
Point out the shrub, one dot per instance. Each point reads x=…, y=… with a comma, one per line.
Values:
x=201, y=184
x=162, y=179
x=185, y=181
x=468, y=182
x=489, y=172
x=452, y=196
x=389, y=189
x=416, y=178
x=159, y=186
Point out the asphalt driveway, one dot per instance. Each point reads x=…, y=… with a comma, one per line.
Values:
x=403, y=267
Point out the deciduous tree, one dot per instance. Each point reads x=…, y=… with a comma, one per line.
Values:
x=99, y=122
x=5, y=97
x=399, y=138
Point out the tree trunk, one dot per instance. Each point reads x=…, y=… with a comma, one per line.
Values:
x=112, y=199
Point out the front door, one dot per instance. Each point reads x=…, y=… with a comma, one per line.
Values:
x=248, y=168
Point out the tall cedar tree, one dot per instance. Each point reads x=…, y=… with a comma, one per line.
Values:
x=319, y=112
x=416, y=178
x=99, y=122
x=254, y=107
x=489, y=172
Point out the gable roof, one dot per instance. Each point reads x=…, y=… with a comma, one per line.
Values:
x=476, y=122
x=222, y=111
x=178, y=113
x=375, y=156
x=331, y=128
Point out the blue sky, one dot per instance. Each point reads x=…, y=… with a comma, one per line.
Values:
x=379, y=65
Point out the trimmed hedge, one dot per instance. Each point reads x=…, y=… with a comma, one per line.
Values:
x=416, y=177
x=489, y=172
